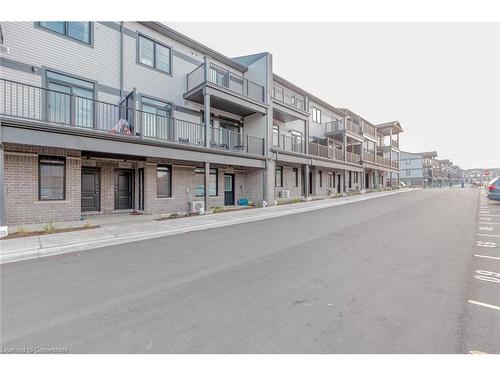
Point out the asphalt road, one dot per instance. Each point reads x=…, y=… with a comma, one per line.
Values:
x=389, y=275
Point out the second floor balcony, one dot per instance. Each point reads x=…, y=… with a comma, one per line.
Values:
x=50, y=108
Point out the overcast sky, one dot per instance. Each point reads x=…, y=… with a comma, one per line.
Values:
x=441, y=80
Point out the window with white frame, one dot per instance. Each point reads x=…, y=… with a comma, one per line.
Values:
x=316, y=115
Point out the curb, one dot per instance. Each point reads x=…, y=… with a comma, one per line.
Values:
x=88, y=245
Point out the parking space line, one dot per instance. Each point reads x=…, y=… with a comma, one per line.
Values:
x=488, y=235
x=488, y=223
x=484, y=304
x=486, y=256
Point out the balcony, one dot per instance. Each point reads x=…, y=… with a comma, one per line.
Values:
x=369, y=130
x=230, y=92
x=337, y=128
x=352, y=158
x=289, y=98
x=237, y=142
x=377, y=159
x=289, y=143
x=37, y=104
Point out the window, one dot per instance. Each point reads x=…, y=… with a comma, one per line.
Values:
x=75, y=30
x=156, y=118
x=154, y=54
x=164, y=181
x=59, y=110
x=320, y=178
x=408, y=172
x=296, y=177
x=316, y=115
x=200, y=182
x=296, y=141
x=51, y=178
x=278, y=176
x=408, y=161
x=331, y=181
x=276, y=135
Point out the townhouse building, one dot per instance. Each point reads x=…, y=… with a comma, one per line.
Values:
x=413, y=170
x=99, y=118
x=425, y=170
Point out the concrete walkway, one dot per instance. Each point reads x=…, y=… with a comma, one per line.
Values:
x=126, y=228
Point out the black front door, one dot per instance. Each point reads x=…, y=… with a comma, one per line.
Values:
x=141, y=189
x=124, y=189
x=310, y=183
x=338, y=183
x=228, y=189
x=91, y=192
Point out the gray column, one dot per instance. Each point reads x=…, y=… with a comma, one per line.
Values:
x=207, y=184
x=2, y=191
x=207, y=119
x=306, y=180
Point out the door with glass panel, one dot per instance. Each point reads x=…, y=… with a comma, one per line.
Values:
x=228, y=189
x=156, y=119
x=70, y=100
x=230, y=135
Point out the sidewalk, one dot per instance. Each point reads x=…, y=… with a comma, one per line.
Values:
x=126, y=228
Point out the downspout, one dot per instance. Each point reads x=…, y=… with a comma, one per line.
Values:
x=121, y=61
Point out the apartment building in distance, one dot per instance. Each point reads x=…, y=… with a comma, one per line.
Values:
x=425, y=170
x=99, y=118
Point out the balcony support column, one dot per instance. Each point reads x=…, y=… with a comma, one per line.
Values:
x=206, y=101
x=2, y=197
x=345, y=145
x=306, y=181
x=207, y=186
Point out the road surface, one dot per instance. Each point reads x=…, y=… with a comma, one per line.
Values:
x=397, y=274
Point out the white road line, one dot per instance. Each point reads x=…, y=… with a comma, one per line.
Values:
x=488, y=235
x=488, y=215
x=485, y=228
x=484, y=304
x=486, y=256
x=488, y=223
x=476, y=352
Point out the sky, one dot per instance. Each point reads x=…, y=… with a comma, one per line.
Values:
x=440, y=80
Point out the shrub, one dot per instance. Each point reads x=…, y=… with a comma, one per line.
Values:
x=49, y=228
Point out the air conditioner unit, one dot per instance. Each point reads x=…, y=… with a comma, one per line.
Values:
x=197, y=206
x=4, y=49
x=284, y=194
x=332, y=191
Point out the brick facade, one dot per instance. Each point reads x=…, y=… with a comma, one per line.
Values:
x=22, y=205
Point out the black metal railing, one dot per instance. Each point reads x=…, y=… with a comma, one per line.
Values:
x=286, y=96
x=24, y=101
x=225, y=78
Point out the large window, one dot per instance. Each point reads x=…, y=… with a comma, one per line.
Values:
x=59, y=108
x=200, y=182
x=296, y=177
x=276, y=135
x=154, y=54
x=164, y=181
x=80, y=31
x=156, y=118
x=316, y=115
x=51, y=178
x=278, y=176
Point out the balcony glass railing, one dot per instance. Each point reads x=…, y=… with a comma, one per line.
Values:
x=19, y=100
x=225, y=78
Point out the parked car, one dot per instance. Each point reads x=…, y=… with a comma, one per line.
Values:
x=494, y=189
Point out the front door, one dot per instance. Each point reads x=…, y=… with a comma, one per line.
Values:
x=141, y=189
x=310, y=183
x=338, y=183
x=124, y=184
x=91, y=189
x=228, y=189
